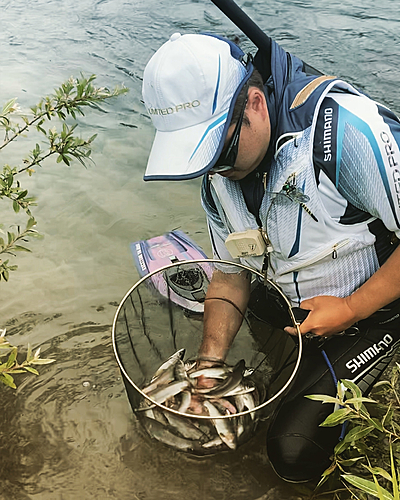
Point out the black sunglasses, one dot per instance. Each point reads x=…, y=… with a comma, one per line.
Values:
x=227, y=159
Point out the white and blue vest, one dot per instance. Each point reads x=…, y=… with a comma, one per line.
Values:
x=325, y=256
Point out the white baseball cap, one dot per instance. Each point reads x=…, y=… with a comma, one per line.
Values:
x=190, y=86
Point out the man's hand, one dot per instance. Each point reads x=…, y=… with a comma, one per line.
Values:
x=328, y=316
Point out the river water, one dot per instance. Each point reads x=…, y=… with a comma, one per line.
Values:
x=70, y=433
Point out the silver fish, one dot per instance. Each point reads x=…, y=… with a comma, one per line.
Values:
x=171, y=361
x=163, y=393
x=212, y=372
x=179, y=371
x=240, y=389
x=213, y=443
x=164, y=378
x=186, y=399
x=230, y=383
x=248, y=402
x=162, y=433
x=223, y=427
x=185, y=427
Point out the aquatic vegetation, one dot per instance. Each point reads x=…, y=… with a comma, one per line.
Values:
x=67, y=102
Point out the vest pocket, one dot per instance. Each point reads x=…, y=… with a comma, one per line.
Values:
x=330, y=250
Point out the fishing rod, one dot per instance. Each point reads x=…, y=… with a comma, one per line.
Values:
x=244, y=23
x=260, y=39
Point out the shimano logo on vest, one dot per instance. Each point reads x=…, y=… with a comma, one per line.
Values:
x=365, y=356
x=174, y=109
x=328, y=116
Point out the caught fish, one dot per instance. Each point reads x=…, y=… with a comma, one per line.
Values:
x=185, y=427
x=186, y=399
x=165, y=378
x=230, y=383
x=214, y=372
x=223, y=426
x=248, y=403
x=179, y=371
x=176, y=386
x=161, y=394
x=163, y=434
x=240, y=389
x=214, y=443
x=171, y=361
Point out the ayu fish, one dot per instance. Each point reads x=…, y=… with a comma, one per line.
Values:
x=171, y=361
x=222, y=426
x=163, y=393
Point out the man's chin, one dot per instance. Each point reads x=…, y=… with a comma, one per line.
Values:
x=233, y=175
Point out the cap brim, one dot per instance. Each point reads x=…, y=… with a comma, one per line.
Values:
x=187, y=153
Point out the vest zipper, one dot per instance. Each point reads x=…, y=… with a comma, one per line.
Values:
x=333, y=250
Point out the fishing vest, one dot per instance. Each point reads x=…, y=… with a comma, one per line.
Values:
x=312, y=253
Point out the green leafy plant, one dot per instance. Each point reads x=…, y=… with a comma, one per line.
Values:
x=366, y=460
x=66, y=103
x=12, y=367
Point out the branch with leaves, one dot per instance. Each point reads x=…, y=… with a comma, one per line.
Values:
x=371, y=447
x=12, y=367
x=69, y=100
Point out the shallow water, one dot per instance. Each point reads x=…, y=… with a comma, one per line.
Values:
x=70, y=433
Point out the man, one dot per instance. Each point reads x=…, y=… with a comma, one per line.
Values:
x=313, y=165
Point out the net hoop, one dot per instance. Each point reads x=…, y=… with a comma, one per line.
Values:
x=207, y=417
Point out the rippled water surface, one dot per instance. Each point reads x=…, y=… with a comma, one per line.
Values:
x=70, y=433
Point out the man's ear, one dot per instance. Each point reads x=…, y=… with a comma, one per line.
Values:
x=257, y=102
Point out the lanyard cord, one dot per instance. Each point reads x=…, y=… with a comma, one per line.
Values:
x=335, y=380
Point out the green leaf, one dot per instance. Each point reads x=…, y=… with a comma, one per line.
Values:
x=354, y=401
x=323, y=398
x=382, y=383
x=42, y=361
x=352, y=387
x=358, y=432
x=31, y=222
x=341, y=447
x=326, y=474
x=368, y=486
x=7, y=379
x=337, y=417
x=395, y=480
x=378, y=471
x=22, y=194
x=8, y=106
x=32, y=370
x=350, y=461
x=376, y=423
x=19, y=248
x=12, y=357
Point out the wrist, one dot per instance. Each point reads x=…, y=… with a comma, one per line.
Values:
x=208, y=362
x=358, y=308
